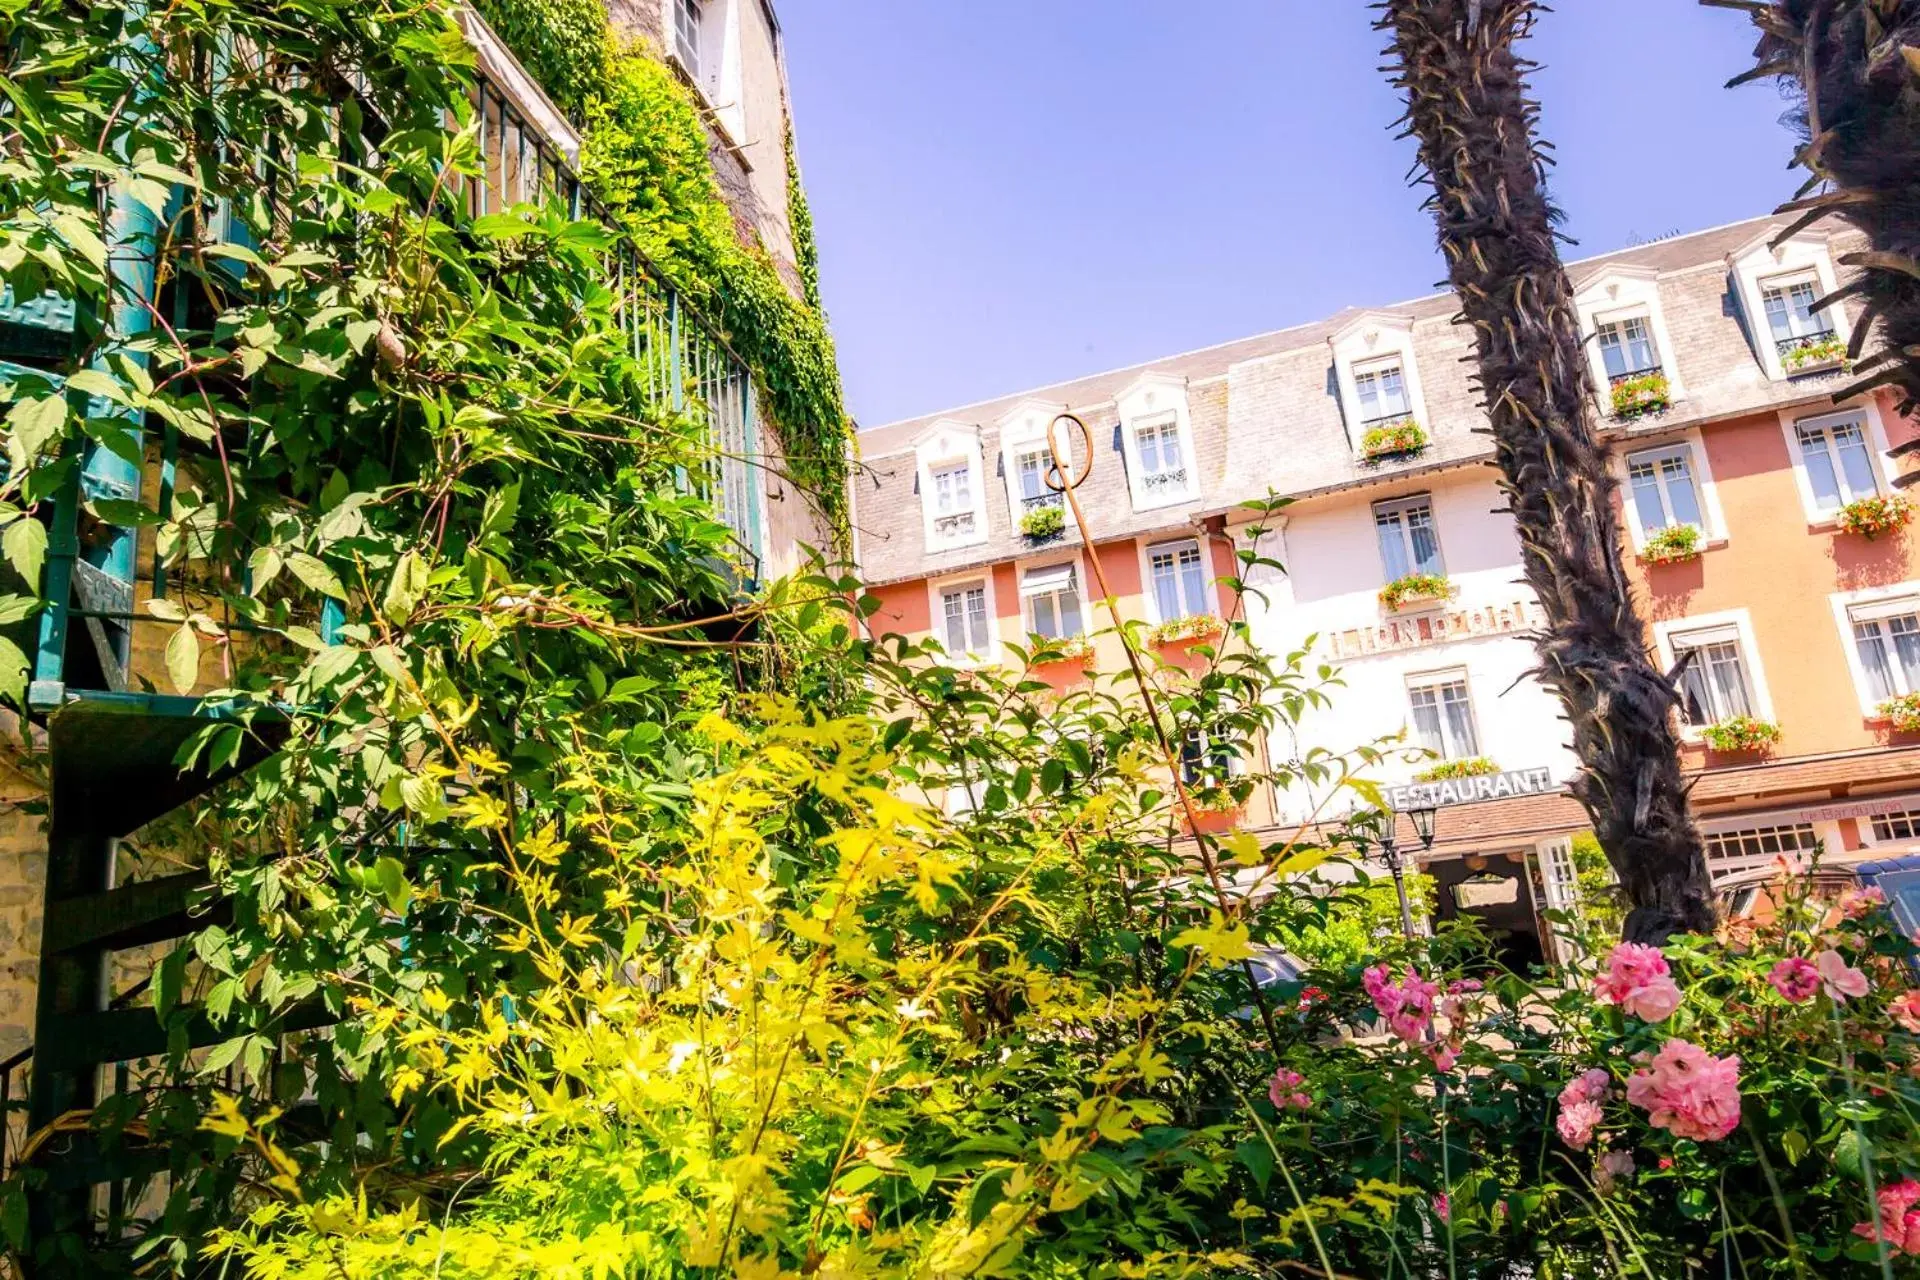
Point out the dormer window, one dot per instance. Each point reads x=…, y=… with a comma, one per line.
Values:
x=1626, y=349
x=952, y=501
x=1381, y=388
x=1030, y=480
x=1777, y=288
x=1800, y=335
x=1163, y=466
x=1839, y=468
x=1379, y=383
x=1156, y=438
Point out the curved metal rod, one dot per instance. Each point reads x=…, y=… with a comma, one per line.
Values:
x=1063, y=480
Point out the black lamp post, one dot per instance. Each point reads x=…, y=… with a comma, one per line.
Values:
x=1422, y=820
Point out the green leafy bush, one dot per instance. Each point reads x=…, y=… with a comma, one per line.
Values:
x=1872, y=516
x=1740, y=733
x=1471, y=767
x=1391, y=441
x=1042, y=523
x=1816, y=353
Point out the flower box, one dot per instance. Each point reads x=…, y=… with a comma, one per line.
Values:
x=1821, y=353
x=1741, y=733
x=1043, y=523
x=1073, y=649
x=1671, y=545
x=1416, y=588
x=1902, y=712
x=1641, y=394
x=1399, y=439
x=1871, y=517
x=1198, y=626
x=1215, y=809
x=1471, y=767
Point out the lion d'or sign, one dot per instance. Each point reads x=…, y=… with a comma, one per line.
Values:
x=1488, y=786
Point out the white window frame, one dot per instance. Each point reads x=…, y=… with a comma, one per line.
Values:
x=1405, y=503
x=1204, y=776
x=1369, y=341
x=1867, y=414
x=1714, y=531
x=1444, y=678
x=1209, y=592
x=1148, y=401
x=945, y=445
x=1741, y=624
x=714, y=68
x=1074, y=565
x=1378, y=367
x=1888, y=601
x=1620, y=293
x=937, y=589
x=1757, y=265
x=1024, y=431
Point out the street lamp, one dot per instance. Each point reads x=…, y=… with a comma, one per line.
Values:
x=1422, y=820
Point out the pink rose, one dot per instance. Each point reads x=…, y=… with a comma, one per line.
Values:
x=1286, y=1092
x=1857, y=904
x=1795, y=978
x=1898, y=1221
x=1442, y=1207
x=1444, y=1055
x=1408, y=1006
x=1841, y=980
x=1576, y=1123
x=1689, y=1092
x=1639, y=981
x=1905, y=1009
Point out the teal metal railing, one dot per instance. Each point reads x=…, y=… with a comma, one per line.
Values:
x=688, y=368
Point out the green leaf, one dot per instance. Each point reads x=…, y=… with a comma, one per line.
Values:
x=1258, y=1159
x=392, y=878
x=331, y=663
x=17, y=609
x=263, y=566
x=25, y=546
x=76, y=231
x=503, y=226
x=13, y=673
x=222, y=1055
x=98, y=382
x=183, y=659
x=989, y=1191
x=35, y=423
x=313, y=571
x=410, y=577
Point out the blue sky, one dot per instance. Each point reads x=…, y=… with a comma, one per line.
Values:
x=1014, y=192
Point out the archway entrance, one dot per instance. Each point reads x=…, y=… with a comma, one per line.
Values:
x=1497, y=890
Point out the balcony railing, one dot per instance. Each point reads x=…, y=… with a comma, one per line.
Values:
x=1161, y=483
x=689, y=367
x=958, y=525
x=1615, y=379
x=1386, y=420
x=1787, y=348
x=1039, y=501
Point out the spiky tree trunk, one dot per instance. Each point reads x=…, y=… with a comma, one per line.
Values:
x=1855, y=65
x=1467, y=105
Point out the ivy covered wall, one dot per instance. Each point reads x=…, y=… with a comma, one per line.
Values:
x=649, y=155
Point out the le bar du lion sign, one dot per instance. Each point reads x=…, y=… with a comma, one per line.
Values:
x=1488, y=786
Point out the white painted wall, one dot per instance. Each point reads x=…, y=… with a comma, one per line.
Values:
x=1334, y=574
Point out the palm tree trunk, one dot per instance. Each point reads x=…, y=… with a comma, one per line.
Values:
x=1855, y=65
x=1467, y=105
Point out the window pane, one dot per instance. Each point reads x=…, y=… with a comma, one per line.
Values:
x=1855, y=466
x=1676, y=470
x=1046, y=620
x=953, y=606
x=1426, y=720
x=1777, y=319
x=1612, y=355
x=1393, y=544
x=1870, y=641
x=1819, y=463
x=1727, y=681
x=1649, y=504
x=977, y=617
x=1393, y=391
x=1193, y=580
x=1426, y=547
x=1906, y=650
x=1068, y=604
x=1032, y=470
x=1639, y=344
x=1166, y=587
x=1463, y=741
x=1695, y=707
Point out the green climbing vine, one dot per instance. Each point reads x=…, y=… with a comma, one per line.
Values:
x=647, y=154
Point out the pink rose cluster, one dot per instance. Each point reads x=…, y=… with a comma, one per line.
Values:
x=1689, y=1092
x=1799, y=980
x=1580, y=1110
x=1905, y=1010
x=1410, y=1004
x=1899, y=1221
x=1639, y=981
x=1286, y=1091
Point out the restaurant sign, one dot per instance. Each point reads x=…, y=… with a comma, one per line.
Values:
x=1395, y=635
x=1488, y=786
